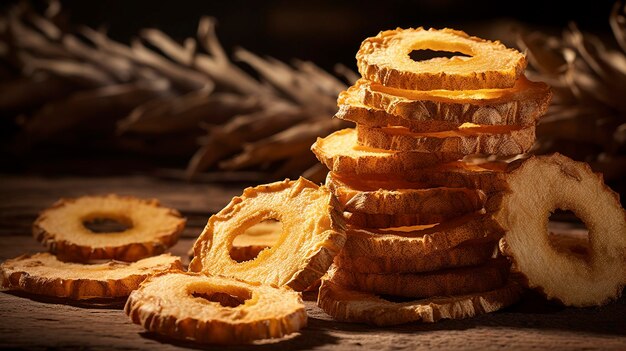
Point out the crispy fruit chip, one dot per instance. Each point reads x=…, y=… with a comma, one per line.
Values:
x=374, y=105
x=382, y=220
x=354, y=306
x=460, y=256
x=422, y=240
x=385, y=59
x=466, y=140
x=358, y=197
x=538, y=187
x=488, y=177
x=352, y=108
x=44, y=274
x=341, y=153
x=453, y=281
x=215, y=310
x=152, y=228
x=311, y=237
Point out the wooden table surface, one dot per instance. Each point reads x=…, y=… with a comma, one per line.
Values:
x=29, y=322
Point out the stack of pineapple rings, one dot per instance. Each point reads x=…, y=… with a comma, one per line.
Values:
x=433, y=178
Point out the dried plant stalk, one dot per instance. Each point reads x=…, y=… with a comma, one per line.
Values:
x=587, y=119
x=145, y=95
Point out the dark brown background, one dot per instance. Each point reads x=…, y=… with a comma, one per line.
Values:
x=327, y=32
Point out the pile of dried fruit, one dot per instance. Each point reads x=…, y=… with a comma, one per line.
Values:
x=312, y=234
x=432, y=207
x=423, y=176
x=68, y=271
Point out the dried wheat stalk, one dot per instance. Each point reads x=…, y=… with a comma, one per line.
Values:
x=79, y=85
x=587, y=119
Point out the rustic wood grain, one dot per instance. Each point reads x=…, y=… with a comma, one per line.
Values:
x=30, y=322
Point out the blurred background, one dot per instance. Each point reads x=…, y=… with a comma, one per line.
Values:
x=232, y=90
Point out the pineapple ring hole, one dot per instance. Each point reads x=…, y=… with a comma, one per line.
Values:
x=259, y=237
x=568, y=234
x=99, y=223
x=230, y=297
x=428, y=54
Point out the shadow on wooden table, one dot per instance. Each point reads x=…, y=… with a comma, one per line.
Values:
x=306, y=339
x=533, y=311
x=105, y=304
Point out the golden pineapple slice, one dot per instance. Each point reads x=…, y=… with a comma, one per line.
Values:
x=385, y=59
x=538, y=187
x=152, y=228
x=382, y=220
x=348, y=305
x=352, y=108
x=422, y=240
x=466, y=140
x=211, y=309
x=44, y=274
x=468, y=254
x=374, y=105
x=453, y=281
x=311, y=237
x=341, y=153
x=358, y=197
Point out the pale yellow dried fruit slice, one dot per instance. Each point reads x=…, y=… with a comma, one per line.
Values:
x=446, y=282
x=354, y=306
x=211, y=309
x=351, y=108
x=466, y=140
x=385, y=59
x=488, y=177
x=44, y=274
x=358, y=197
x=374, y=105
x=341, y=153
x=538, y=187
x=381, y=220
x=459, y=256
x=153, y=228
x=312, y=235
x=422, y=240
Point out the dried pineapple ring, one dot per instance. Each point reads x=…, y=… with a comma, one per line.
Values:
x=381, y=220
x=210, y=309
x=374, y=105
x=446, y=282
x=358, y=197
x=385, y=59
x=488, y=177
x=422, y=240
x=341, y=153
x=491, y=140
x=153, y=228
x=355, y=306
x=469, y=254
x=538, y=187
x=311, y=237
x=44, y=274
x=352, y=108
